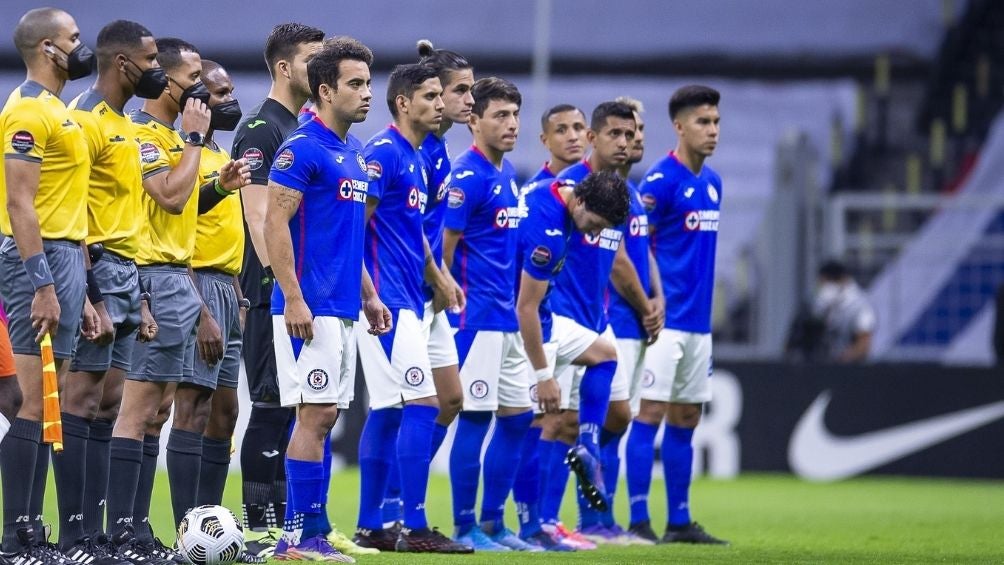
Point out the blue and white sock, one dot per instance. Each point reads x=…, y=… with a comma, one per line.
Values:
x=640, y=454
x=326, y=462
x=377, y=447
x=414, y=448
x=594, y=397
x=677, y=464
x=557, y=478
x=392, y=497
x=500, y=468
x=610, y=443
x=465, y=466
x=526, y=488
x=306, y=480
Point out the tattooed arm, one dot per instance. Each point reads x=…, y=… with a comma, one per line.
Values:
x=282, y=204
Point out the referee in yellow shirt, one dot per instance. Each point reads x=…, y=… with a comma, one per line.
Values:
x=43, y=187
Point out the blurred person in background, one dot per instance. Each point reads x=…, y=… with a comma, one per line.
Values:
x=847, y=319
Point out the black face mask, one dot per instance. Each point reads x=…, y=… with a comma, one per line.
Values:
x=225, y=116
x=197, y=91
x=151, y=83
x=79, y=62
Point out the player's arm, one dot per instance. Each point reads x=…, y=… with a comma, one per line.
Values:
x=254, y=199
x=625, y=279
x=657, y=298
x=95, y=325
x=450, y=240
x=531, y=294
x=233, y=176
x=282, y=205
x=171, y=188
x=208, y=336
x=442, y=292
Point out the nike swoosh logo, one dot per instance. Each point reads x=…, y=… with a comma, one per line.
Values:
x=270, y=454
x=814, y=453
x=255, y=124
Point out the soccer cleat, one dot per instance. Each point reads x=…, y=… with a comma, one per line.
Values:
x=590, y=474
x=600, y=534
x=127, y=547
x=261, y=544
x=643, y=531
x=691, y=533
x=574, y=539
x=342, y=543
x=382, y=540
x=32, y=552
x=427, y=540
x=316, y=548
x=248, y=558
x=87, y=552
x=479, y=540
x=547, y=542
x=508, y=538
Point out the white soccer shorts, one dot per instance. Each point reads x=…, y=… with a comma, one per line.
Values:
x=495, y=371
x=569, y=340
x=439, y=335
x=324, y=372
x=680, y=366
x=630, y=372
x=396, y=365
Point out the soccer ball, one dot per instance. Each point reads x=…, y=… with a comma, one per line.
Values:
x=210, y=535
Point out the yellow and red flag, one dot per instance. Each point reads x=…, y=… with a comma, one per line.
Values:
x=52, y=424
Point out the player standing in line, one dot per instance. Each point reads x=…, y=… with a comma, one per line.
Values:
x=682, y=197
x=396, y=365
x=10, y=393
x=563, y=133
x=44, y=221
x=127, y=66
x=264, y=128
x=317, y=187
x=480, y=248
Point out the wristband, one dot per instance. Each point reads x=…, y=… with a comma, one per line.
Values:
x=219, y=188
x=541, y=375
x=93, y=292
x=38, y=271
x=269, y=275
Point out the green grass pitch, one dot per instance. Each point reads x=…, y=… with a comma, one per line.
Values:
x=768, y=519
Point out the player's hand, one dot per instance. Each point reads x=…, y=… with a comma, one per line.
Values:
x=89, y=322
x=45, y=312
x=242, y=315
x=195, y=116
x=299, y=320
x=148, y=328
x=209, y=339
x=378, y=316
x=235, y=175
x=106, y=329
x=549, y=396
x=443, y=296
x=655, y=320
x=458, y=292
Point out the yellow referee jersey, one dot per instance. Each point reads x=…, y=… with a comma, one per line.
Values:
x=164, y=237
x=113, y=196
x=219, y=235
x=36, y=126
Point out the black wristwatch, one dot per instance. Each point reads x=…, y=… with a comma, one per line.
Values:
x=245, y=303
x=146, y=296
x=195, y=138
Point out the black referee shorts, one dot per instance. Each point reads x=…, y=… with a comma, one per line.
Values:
x=259, y=356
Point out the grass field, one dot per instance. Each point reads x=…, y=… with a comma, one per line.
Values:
x=768, y=519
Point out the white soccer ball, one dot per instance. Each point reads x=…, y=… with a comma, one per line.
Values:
x=210, y=535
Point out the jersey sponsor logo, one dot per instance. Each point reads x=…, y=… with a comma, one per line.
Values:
x=414, y=376
x=654, y=177
x=507, y=218
x=441, y=192
x=541, y=256
x=514, y=187
x=284, y=160
x=463, y=174
x=608, y=238
x=374, y=170
x=254, y=158
x=689, y=192
x=456, y=198
x=648, y=200
x=425, y=177
x=149, y=153
x=317, y=379
x=701, y=220
x=638, y=226
x=352, y=189
x=256, y=123
x=647, y=378
x=68, y=123
x=712, y=193
x=479, y=389
x=116, y=139
x=22, y=141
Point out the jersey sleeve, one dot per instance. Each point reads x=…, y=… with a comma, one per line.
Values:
x=153, y=156
x=543, y=247
x=381, y=166
x=294, y=165
x=464, y=196
x=654, y=189
x=26, y=131
x=258, y=146
x=92, y=133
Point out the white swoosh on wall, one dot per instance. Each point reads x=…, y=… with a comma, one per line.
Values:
x=815, y=453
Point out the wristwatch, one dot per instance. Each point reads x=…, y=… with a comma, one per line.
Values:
x=245, y=303
x=195, y=138
x=146, y=296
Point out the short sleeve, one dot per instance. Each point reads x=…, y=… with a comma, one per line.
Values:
x=258, y=146
x=465, y=194
x=26, y=131
x=153, y=156
x=381, y=166
x=654, y=196
x=544, y=247
x=294, y=165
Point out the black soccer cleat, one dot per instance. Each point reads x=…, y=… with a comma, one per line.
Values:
x=248, y=558
x=384, y=539
x=644, y=531
x=31, y=552
x=590, y=474
x=427, y=540
x=127, y=547
x=691, y=533
x=87, y=552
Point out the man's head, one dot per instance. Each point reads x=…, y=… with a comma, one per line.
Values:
x=637, y=150
x=694, y=112
x=601, y=201
x=563, y=132
x=51, y=33
x=495, y=114
x=183, y=65
x=287, y=49
x=611, y=133
x=129, y=50
x=339, y=79
x=225, y=111
x=414, y=95
x=456, y=75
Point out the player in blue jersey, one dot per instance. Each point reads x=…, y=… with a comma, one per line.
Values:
x=398, y=375
x=317, y=188
x=480, y=247
x=563, y=133
x=682, y=197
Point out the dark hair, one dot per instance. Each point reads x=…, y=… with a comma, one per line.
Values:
x=442, y=61
x=169, y=50
x=323, y=67
x=606, y=194
x=608, y=109
x=692, y=96
x=34, y=26
x=404, y=80
x=284, y=39
x=559, y=109
x=493, y=88
x=118, y=35
x=833, y=270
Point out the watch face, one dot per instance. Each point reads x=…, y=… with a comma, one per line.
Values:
x=195, y=138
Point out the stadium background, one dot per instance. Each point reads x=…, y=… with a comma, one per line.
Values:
x=863, y=130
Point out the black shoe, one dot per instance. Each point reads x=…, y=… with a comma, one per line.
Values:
x=31, y=552
x=89, y=553
x=644, y=531
x=590, y=474
x=691, y=533
x=383, y=539
x=249, y=558
x=127, y=547
x=158, y=549
x=427, y=540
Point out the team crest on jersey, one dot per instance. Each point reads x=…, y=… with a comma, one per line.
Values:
x=149, y=153
x=703, y=220
x=648, y=379
x=456, y=198
x=501, y=218
x=374, y=170
x=22, y=141
x=479, y=389
x=362, y=162
x=284, y=160
x=638, y=226
x=413, y=198
x=541, y=256
x=648, y=200
x=317, y=379
x=712, y=193
x=254, y=158
x=533, y=393
x=415, y=376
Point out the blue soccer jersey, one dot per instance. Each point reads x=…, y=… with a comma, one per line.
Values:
x=623, y=319
x=683, y=211
x=580, y=290
x=395, y=256
x=483, y=205
x=436, y=157
x=544, y=173
x=327, y=229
